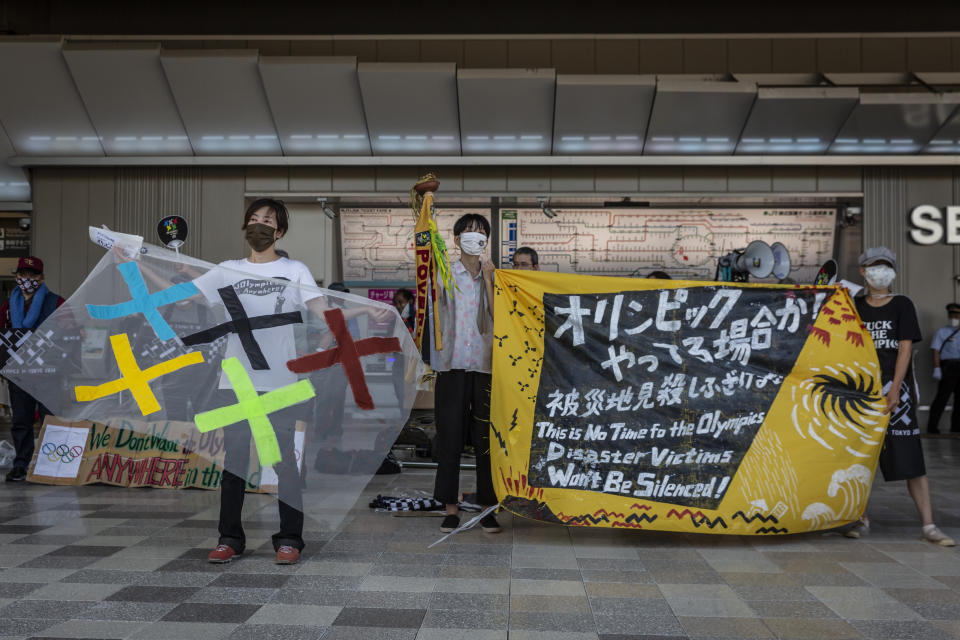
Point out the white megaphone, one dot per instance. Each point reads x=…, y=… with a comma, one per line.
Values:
x=757, y=260
x=781, y=261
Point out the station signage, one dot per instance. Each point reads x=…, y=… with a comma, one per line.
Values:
x=933, y=225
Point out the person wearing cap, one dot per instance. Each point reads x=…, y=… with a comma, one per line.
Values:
x=30, y=303
x=892, y=321
x=946, y=369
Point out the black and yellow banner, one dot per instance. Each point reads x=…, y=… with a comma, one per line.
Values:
x=682, y=405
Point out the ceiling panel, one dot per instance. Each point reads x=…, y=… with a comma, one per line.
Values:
x=894, y=122
x=411, y=108
x=601, y=115
x=692, y=117
x=39, y=104
x=220, y=97
x=316, y=104
x=506, y=110
x=128, y=99
x=947, y=139
x=14, y=186
x=796, y=120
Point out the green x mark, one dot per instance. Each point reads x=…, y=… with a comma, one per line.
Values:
x=254, y=408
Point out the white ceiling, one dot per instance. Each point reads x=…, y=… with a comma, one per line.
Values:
x=102, y=99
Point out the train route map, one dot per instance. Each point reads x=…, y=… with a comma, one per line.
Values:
x=683, y=242
x=377, y=243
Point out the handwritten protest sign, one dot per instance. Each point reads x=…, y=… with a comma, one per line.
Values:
x=686, y=406
x=162, y=454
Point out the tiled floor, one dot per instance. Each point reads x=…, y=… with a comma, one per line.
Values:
x=100, y=562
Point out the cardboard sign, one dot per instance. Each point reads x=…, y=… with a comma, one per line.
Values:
x=685, y=406
x=162, y=454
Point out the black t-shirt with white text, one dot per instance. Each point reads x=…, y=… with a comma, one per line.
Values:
x=888, y=325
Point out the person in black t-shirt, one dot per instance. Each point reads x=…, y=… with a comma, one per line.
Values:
x=892, y=322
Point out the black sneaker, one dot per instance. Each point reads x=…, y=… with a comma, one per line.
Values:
x=449, y=523
x=490, y=524
x=17, y=474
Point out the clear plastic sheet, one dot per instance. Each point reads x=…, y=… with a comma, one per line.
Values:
x=248, y=360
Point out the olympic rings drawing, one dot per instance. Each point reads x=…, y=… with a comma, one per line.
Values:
x=61, y=452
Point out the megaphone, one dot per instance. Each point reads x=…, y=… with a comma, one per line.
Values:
x=756, y=260
x=781, y=261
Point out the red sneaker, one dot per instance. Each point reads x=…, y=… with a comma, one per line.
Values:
x=222, y=554
x=287, y=555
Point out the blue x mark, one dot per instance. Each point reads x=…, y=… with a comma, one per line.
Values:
x=142, y=301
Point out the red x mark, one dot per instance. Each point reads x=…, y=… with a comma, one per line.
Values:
x=348, y=353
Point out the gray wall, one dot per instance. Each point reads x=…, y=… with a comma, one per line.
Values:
x=67, y=201
x=927, y=273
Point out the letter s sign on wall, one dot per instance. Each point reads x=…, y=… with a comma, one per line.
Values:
x=930, y=225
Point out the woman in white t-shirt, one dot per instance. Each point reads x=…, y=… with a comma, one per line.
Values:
x=258, y=284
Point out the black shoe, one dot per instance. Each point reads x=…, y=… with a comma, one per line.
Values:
x=17, y=474
x=490, y=524
x=449, y=523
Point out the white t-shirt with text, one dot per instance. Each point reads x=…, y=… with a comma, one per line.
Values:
x=261, y=297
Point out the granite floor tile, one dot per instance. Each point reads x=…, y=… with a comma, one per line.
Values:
x=285, y=614
x=100, y=576
x=22, y=627
x=94, y=629
x=725, y=627
x=232, y=595
x=540, y=621
x=455, y=619
x=48, y=609
x=811, y=629
x=462, y=634
x=277, y=632
x=152, y=594
x=389, y=600
x=73, y=591
x=901, y=630
x=17, y=589
x=862, y=603
x=622, y=590
x=182, y=630
x=369, y=633
x=396, y=583
x=466, y=601
x=937, y=611
x=790, y=609
x=530, y=634
x=132, y=611
x=206, y=612
x=373, y=617
x=330, y=568
x=926, y=596
x=631, y=606
x=472, y=585
x=523, y=587
x=558, y=604
x=631, y=625
x=530, y=573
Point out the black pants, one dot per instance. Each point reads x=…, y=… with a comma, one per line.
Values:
x=949, y=385
x=462, y=409
x=23, y=406
x=233, y=486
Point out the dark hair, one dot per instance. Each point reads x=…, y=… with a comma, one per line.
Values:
x=471, y=221
x=660, y=275
x=279, y=210
x=528, y=251
x=338, y=286
x=406, y=294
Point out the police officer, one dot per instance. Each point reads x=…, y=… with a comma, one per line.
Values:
x=946, y=369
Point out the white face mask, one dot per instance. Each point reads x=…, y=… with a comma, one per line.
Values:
x=879, y=276
x=955, y=322
x=473, y=243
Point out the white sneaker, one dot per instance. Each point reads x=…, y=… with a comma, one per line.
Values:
x=858, y=528
x=931, y=533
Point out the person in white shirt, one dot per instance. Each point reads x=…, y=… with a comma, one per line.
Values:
x=462, y=391
x=265, y=221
